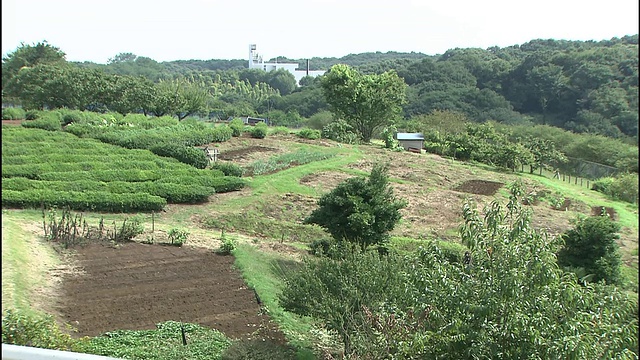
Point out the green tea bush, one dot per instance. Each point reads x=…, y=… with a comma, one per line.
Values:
x=82, y=201
x=237, y=127
x=185, y=154
x=228, y=168
x=32, y=114
x=72, y=116
x=47, y=122
x=279, y=130
x=221, y=184
x=310, y=134
x=259, y=131
x=13, y=113
x=41, y=331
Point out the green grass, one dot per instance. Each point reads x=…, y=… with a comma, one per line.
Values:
x=22, y=251
x=261, y=271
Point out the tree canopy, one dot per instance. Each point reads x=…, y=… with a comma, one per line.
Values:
x=366, y=102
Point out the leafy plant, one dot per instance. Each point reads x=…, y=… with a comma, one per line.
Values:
x=41, y=331
x=13, y=113
x=178, y=236
x=310, y=134
x=259, y=131
x=228, y=168
x=227, y=246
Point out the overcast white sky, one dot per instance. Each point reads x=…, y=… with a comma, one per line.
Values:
x=91, y=30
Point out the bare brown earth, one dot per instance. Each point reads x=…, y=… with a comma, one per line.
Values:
x=136, y=286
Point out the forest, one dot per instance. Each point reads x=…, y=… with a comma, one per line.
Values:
x=584, y=87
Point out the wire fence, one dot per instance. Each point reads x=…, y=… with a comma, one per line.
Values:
x=560, y=176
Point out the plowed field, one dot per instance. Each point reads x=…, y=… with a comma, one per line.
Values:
x=135, y=286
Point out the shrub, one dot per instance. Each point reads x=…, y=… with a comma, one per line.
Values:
x=21, y=328
x=227, y=246
x=591, y=245
x=340, y=131
x=227, y=168
x=259, y=131
x=622, y=187
x=13, y=113
x=130, y=228
x=280, y=130
x=236, y=126
x=49, y=123
x=360, y=210
x=310, y=134
x=178, y=237
x=32, y=114
x=185, y=154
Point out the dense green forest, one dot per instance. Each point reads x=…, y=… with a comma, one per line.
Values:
x=580, y=86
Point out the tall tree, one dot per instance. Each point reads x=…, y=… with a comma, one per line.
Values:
x=27, y=56
x=366, y=102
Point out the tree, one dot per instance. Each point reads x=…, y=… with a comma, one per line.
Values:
x=506, y=299
x=360, y=211
x=366, y=102
x=591, y=245
x=281, y=80
x=29, y=56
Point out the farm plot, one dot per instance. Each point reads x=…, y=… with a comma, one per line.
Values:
x=135, y=286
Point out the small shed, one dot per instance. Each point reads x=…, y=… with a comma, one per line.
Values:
x=411, y=140
x=252, y=120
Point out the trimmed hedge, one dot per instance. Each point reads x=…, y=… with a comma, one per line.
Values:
x=13, y=113
x=82, y=201
x=228, y=169
x=171, y=192
x=220, y=184
x=185, y=154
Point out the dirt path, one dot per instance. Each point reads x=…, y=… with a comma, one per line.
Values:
x=136, y=286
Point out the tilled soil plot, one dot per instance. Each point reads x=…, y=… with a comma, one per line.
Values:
x=136, y=286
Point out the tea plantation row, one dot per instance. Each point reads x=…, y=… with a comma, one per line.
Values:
x=55, y=168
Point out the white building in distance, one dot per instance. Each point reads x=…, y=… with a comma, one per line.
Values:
x=256, y=62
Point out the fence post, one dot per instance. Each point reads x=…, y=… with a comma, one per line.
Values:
x=576, y=180
x=569, y=179
x=563, y=178
x=580, y=181
x=588, y=185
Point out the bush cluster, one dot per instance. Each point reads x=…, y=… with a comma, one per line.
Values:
x=185, y=154
x=310, y=134
x=13, y=113
x=227, y=168
x=259, y=131
x=622, y=187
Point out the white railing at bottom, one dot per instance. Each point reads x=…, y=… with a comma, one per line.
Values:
x=16, y=352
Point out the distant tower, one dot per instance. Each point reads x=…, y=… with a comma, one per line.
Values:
x=255, y=60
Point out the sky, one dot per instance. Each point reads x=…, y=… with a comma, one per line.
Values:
x=96, y=31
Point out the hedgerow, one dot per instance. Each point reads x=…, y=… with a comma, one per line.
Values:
x=13, y=113
x=171, y=192
x=82, y=201
x=221, y=184
x=185, y=154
